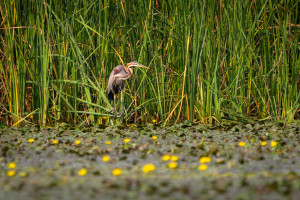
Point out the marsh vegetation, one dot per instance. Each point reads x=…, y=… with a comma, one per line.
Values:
x=216, y=115
x=237, y=161
x=208, y=60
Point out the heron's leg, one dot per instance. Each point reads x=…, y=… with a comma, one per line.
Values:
x=114, y=110
x=122, y=106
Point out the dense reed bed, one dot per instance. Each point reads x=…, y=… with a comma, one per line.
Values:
x=209, y=60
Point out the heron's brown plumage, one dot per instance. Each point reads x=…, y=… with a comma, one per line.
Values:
x=116, y=81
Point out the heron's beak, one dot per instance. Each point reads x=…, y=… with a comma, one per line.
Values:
x=143, y=66
x=136, y=64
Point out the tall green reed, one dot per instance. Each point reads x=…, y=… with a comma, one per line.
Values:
x=209, y=60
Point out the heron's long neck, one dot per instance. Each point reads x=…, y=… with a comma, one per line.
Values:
x=129, y=71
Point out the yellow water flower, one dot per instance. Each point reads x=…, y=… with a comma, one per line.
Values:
x=55, y=142
x=64, y=179
x=174, y=158
x=273, y=143
x=148, y=168
x=77, y=142
x=204, y=159
x=10, y=173
x=263, y=143
x=105, y=158
x=154, y=137
x=108, y=142
x=166, y=157
x=82, y=172
x=241, y=144
x=102, y=120
x=202, y=167
x=31, y=140
x=172, y=165
x=117, y=172
x=12, y=165
x=126, y=140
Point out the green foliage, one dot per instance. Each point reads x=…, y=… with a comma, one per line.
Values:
x=208, y=60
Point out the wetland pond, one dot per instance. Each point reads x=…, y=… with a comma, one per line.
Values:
x=237, y=161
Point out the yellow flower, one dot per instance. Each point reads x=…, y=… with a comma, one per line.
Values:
x=77, y=142
x=172, y=165
x=154, y=137
x=55, y=142
x=273, y=143
x=263, y=143
x=12, y=165
x=166, y=157
x=105, y=158
x=82, y=172
x=154, y=121
x=174, y=158
x=148, y=168
x=117, y=172
x=126, y=140
x=10, y=173
x=108, y=142
x=241, y=144
x=105, y=117
x=64, y=179
x=204, y=159
x=31, y=140
x=102, y=120
x=202, y=167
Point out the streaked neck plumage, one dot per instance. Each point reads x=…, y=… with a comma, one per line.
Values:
x=129, y=70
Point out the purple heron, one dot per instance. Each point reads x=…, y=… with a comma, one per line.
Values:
x=116, y=81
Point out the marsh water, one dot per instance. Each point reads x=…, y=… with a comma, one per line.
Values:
x=247, y=161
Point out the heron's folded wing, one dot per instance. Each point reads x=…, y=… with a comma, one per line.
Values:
x=111, y=81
